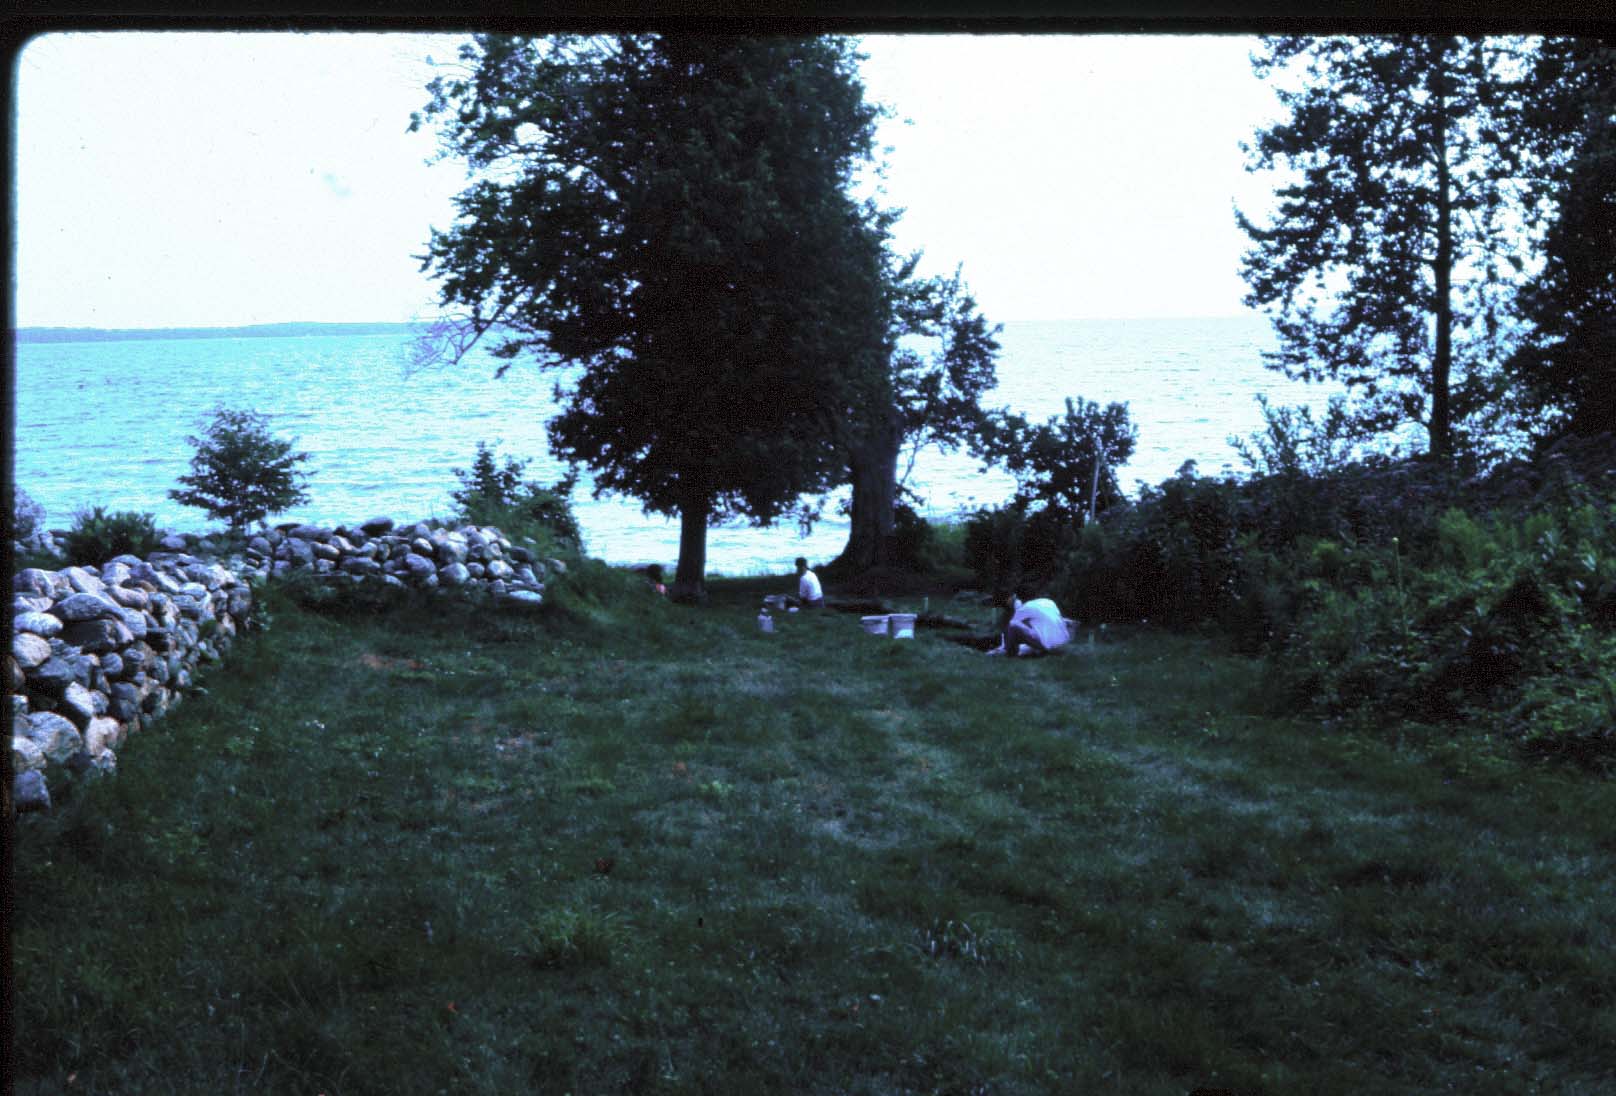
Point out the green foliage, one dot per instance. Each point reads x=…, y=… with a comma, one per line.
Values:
x=1396, y=234
x=97, y=536
x=495, y=494
x=241, y=472
x=1068, y=463
x=710, y=288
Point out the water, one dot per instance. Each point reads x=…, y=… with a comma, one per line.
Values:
x=105, y=423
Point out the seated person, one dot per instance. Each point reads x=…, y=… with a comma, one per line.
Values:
x=1031, y=628
x=653, y=575
x=809, y=593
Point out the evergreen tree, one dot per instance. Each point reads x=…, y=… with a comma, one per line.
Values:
x=1389, y=263
x=672, y=215
x=1564, y=376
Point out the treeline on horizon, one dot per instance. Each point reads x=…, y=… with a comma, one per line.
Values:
x=249, y=331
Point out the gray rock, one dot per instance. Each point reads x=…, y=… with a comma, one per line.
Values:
x=311, y=532
x=19, y=708
x=135, y=621
x=29, y=649
x=124, y=703
x=521, y=555
x=451, y=547
x=114, y=573
x=359, y=565
x=324, y=567
x=78, y=705
x=96, y=636
x=261, y=545
x=328, y=552
x=51, y=677
x=498, y=568
x=112, y=665
x=522, y=599
x=556, y=565
x=23, y=603
x=86, y=606
x=137, y=656
x=527, y=576
x=102, y=734
x=130, y=597
x=279, y=568
x=454, y=574
x=239, y=603
x=25, y=754
x=29, y=793
x=126, y=559
x=83, y=580
x=394, y=580
x=422, y=546
x=419, y=566
x=173, y=543
x=477, y=570
x=377, y=526
x=299, y=551
x=55, y=735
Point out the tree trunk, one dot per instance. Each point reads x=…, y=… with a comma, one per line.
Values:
x=1441, y=425
x=874, y=471
x=690, y=577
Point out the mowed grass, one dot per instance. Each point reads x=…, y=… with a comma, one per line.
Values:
x=626, y=846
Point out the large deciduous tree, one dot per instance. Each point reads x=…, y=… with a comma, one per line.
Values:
x=670, y=216
x=1564, y=375
x=1069, y=462
x=1390, y=259
x=922, y=388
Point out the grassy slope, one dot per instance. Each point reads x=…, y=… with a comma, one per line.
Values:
x=649, y=849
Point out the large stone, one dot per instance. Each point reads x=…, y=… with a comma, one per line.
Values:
x=137, y=657
x=239, y=603
x=299, y=551
x=522, y=599
x=419, y=567
x=26, y=603
x=78, y=704
x=112, y=665
x=83, y=606
x=261, y=545
x=359, y=565
x=422, y=546
x=25, y=754
x=115, y=573
x=521, y=555
x=135, y=620
x=99, y=635
x=32, y=581
x=29, y=793
x=498, y=568
x=455, y=574
x=51, y=677
x=83, y=580
x=130, y=597
x=311, y=532
x=377, y=526
x=54, y=734
x=102, y=734
x=29, y=649
x=173, y=542
x=328, y=552
x=324, y=566
x=451, y=547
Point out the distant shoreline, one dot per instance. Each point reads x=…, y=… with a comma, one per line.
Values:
x=251, y=331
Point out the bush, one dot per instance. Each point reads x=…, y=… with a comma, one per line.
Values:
x=495, y=494
x=97, y=536
x=240, y=472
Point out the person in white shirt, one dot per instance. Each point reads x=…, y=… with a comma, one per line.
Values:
x=809, y=593
x=1032, y=628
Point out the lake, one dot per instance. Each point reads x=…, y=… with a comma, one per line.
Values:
x=105, y=423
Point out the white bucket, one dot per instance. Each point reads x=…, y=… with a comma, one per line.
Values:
x=903, y=625
x=874, y=625
x=775, y=601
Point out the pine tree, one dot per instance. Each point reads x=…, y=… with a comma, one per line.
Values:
x=1391, y=259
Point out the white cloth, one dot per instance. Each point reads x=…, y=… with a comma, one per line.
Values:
x=808, y=588
x=1042, y=618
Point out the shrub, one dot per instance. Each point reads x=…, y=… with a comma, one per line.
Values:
x=240, y=472
x=97, y=536
x=495, y=494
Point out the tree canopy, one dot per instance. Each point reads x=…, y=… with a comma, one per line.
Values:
x=1067, y=463
x=671, y=214
x=1390, y=260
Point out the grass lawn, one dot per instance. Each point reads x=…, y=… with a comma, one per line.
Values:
x=644, y=848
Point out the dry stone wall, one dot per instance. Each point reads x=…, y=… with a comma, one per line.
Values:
x=98, y=653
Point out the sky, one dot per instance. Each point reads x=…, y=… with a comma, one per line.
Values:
x=178, y=179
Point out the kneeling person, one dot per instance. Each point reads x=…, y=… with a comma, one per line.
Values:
x=1036, y=625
